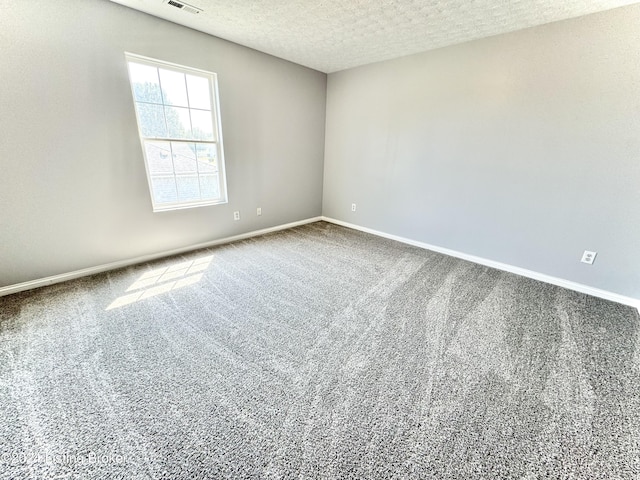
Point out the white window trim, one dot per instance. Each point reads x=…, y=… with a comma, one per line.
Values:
x=217, y=141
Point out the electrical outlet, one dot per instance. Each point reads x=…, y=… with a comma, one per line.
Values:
x=353, y=207
x=588, y=257
x=236, y=215
x=259, y=211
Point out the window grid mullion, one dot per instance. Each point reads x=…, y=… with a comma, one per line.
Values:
x=178, y=140
x=164, y=112
x=163, y=104
x=195, y=153
x=198, y=170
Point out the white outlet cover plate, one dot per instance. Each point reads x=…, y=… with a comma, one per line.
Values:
x=588, y=257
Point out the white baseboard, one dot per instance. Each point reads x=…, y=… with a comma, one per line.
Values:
x=63, y=277
x=578, y=287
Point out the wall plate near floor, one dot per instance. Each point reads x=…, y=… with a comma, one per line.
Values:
x=588, y=257
x=236, y=215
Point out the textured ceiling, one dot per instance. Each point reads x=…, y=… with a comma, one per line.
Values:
x=332, y=35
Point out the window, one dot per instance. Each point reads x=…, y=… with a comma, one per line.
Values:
x=179, y=125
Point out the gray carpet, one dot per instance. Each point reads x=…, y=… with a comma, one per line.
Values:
x=319, y=352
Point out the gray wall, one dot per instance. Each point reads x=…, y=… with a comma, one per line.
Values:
x=73, y=191
x=522, y=148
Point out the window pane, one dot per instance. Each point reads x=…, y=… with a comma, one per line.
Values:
x=184, y=157
x=207, y=160
x=202, y=125
x=151, y=120
x=188, y=188
x=209, y=186
x=178, y=122
x=158, y=157
x=179, y=127
x=164, y=189
x=174, y=88
x=145, y=83
x=198, y=92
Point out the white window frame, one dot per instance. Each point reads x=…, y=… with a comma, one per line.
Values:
x=217, y=133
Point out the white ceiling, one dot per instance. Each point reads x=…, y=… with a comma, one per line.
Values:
x=332, y=35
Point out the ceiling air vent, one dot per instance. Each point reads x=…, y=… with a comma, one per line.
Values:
x=184, y=6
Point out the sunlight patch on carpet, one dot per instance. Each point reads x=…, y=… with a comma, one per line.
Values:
x=163, y=280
